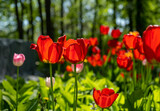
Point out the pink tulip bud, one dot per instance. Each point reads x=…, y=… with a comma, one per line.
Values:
x=79, y=67
x=48, y=81
x=18, y=59
x=144, y=62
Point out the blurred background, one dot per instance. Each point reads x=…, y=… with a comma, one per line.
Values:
x=27, y=19
x=22, y=21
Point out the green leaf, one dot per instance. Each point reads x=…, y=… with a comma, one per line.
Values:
x=8, y=87
x=67, y=96
x=43, y=88
x=0, y=99
x=148, y=105
x=156, y=98
x=29, y=105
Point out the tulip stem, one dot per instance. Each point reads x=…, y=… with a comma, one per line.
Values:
x=75, y=89
x=51, y=85
x=17, y=89
x=134, y=73
x=102, y=109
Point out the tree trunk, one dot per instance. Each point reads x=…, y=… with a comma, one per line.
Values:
x=31, y=21
x=81, y=19
x=48, y=17
x=62, y=13
x=76, y=20
x=94, y=19
x=41, y=17
x=130, y=14
x=19, y=28
x=114, y=14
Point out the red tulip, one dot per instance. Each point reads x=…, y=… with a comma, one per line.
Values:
x=48, y=51
x=138, y=55
x=75, y=50
x=139, y=45
x=95, y=49
x=104, y=30
x=113, y=43
x=104, y=98
x=151, y=43
x=115, y=33
x=93, y=41
x=130, y=41
x=124, y=61
x=68, y=68
x=135, y=33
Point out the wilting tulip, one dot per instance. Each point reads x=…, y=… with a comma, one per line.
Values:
x=48, y=81
x=79, y=67
x=18, y=59
x=48, y=51
x=75, y=50
x=116, y=33
x=93, y=41
x=151, y=43
x=104, y=98
x=104, y=29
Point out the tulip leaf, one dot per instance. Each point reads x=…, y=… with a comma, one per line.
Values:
x=67, y=96
x=0, y=99
x=28, y=106
x=8, y=87
x=136, y=95
x=148, y=104
x=43, y=88
x=156, y=98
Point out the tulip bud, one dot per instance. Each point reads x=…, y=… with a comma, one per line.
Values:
x=79, y=67
x=48, y=81
x=144, y=62
x=18, y=59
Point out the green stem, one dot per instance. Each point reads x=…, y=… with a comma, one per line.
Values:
x=75, y=89
x=134, y=73
x=59, y=68
x=17, y=89
x=102, y=109
x=125, y=84
x=51, y=85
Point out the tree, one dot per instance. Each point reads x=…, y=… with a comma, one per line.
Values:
x=41, y=17
x=19, y=21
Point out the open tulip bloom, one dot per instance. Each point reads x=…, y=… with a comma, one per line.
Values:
x=104, y=98
x=49, y=52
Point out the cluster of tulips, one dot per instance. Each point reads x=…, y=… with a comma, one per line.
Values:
x=142, y=49
x=73, y=51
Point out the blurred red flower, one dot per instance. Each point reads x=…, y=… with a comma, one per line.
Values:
x=96, y=49
x=104, y=98
x=93, y=41
x=125, y=61
x=130, y=41
x=48, y=51
x=116, y=33
x=138, y=55
x=151, y=43
x=75, y=50
x=104, y=29
x=68, y=68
